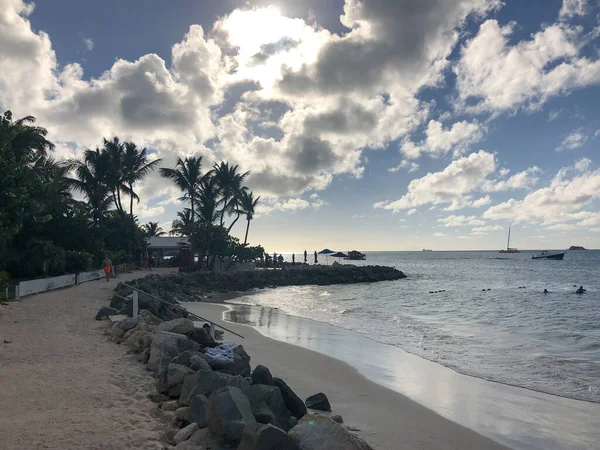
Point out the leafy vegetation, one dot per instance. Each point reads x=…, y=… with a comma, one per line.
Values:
x=45, y=231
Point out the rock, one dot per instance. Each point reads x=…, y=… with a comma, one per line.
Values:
x=169, y=406
x=136, y=340
x=164, y=347
x=228, y=413
x=199, y=363
x=187, y=445
x=183, y=414
x=183, y=359
x=206, y=382
x=266, y=437
x=179, y=326
x=262, y=375
x=198, y=407
x=185, y=433
x=143, y=356
x=128, y=323
x=268, y=406
x=106, y=311
x=200, y=336
x=319, y=402
x=293, y=403
x=337, y=419
x=150, y=318
x=239, y=366
x=204, y=437
x=116, y=331
x=316, y=432
x=170, y=380
x=158, y=398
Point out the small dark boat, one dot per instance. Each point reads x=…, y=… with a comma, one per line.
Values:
x=355, y=255
x=548, y=255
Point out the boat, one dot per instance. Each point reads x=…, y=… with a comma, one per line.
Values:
x=427, y=250
x=549, y=255
x=576, y=247
x=508, y=249
x=355, y=255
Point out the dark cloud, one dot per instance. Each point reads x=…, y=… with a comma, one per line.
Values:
x=283, y=184
x=404, y=38
x=311, y=154
x=267, y=50
x=349, y=118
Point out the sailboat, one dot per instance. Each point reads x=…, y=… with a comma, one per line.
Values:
x=508, y=249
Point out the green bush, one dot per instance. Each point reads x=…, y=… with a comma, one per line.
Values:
x=77, y=261
x=4, y=276
x=41, y=259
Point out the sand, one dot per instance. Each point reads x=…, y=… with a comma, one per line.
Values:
x=387, y=420
x=64, y=384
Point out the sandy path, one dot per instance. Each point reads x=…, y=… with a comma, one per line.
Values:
x=64, y=385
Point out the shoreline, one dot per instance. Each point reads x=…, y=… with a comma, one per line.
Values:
x=534, y=420
x=383, y=415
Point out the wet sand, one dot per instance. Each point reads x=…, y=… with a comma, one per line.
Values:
x=387, y=420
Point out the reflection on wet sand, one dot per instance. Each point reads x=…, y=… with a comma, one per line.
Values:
x=516, y=417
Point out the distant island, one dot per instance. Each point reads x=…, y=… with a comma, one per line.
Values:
x=576, y=247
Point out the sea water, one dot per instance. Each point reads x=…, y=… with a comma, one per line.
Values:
x=491, y=321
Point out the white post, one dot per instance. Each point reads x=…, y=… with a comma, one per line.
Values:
x=135, y=304
x=6, y=293
x=17, y=292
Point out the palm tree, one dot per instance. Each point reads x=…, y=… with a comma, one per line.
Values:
x=248, y=207
x=230, y=183
x=115, y=155
x=182, y=226
x=135, y=168
x=187, y=177
x=152, y=229
x=91, y=175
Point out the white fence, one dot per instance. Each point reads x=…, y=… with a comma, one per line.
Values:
x=48, y=284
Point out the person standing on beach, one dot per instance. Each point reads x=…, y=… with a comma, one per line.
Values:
x=293, y=259
x=316, y=260
x=107, y=265
x=305, y=256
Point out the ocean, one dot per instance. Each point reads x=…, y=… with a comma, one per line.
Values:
x=492, y=320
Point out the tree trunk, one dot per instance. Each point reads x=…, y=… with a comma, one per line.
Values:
x=247, y=228
x=120, y=204
x=223, y=210
x=191, y=237
x=233, y=223
x=115, y=200
x=131, y=200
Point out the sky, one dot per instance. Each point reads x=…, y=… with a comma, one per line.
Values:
x=365, y=124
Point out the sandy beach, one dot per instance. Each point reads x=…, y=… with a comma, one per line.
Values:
x=64, y=384
x=386, y=419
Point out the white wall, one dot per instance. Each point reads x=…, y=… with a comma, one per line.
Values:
x=90, y=276
x=45, y=284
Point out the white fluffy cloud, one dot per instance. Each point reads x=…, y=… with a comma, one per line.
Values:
x=408, y=165
x=460, y=221
x=440, y=141
x=571, y=8
x=522, y=180
x=525, y=74
x=573, y=141
x=561, y=201
x=451, y=186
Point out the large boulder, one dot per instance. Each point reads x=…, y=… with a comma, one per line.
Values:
x=179, y=326
x=183, y=359
x=136, y=340
x=150, y=318
x=205, y=438
x=319, y=402
x=197, y=362
x=228, y=413
x=237, y=364
x=266, y=437
x=164, y=347
x=316, y=432
x=262, y=375
x=198, y=407
x=106, y=311
x=128, y=323
x=185, y=433
x=170, y=380
x=268, y=406
x=203, y=338
x=292, y=402
x=206, y=382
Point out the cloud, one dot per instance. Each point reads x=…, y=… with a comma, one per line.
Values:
x=522, y=180
x=410, y=166
x=583, y=164
x=573, y=141
x=412, y=211
x=460, y=221
x=88, y=43
x=561, y=201
x=440, y=141
x=451, y=186
x=526, y=74
x=571, y=8
x=487, y=228
x=439, y=234
x=272, y=48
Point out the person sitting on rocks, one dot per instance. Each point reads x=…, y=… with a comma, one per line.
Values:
x=581, y=290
